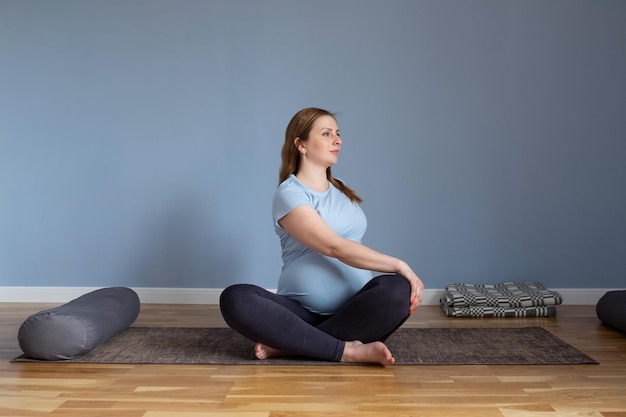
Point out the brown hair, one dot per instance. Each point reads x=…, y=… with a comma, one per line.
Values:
x=299, y=127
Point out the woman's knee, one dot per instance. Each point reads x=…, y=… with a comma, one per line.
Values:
x=394, y=283
x=231, y=294
x=396, y=289
x=234, y=299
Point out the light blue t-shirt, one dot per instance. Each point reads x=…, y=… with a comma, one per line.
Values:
x=320, y=283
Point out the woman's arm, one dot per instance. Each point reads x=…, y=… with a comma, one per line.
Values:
x=305, y=225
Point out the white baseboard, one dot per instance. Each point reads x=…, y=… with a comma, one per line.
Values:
x=571, y=296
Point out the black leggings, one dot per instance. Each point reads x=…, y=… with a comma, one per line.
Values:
x=373, y=314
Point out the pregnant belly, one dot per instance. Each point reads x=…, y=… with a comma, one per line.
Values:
x=321, y=284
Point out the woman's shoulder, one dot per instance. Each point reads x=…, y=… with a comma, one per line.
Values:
x=293, y=184
x=290, y=182
x=289, y=195
x=289, y=188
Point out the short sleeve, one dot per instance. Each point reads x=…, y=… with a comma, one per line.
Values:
x=287, y=199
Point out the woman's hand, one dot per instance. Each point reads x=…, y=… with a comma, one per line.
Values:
x=417, y=286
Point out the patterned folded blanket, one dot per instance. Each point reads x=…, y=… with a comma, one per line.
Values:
x=507, y=295
x=494, y=311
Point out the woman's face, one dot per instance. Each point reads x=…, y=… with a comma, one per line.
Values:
x=322, y=147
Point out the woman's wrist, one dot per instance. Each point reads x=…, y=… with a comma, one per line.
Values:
x=401, y=267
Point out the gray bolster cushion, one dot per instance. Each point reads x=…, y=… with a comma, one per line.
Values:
x=611, y=309
x=75, y=328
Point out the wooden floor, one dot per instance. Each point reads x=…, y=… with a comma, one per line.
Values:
x=28, y=389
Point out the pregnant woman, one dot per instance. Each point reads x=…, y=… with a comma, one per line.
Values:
x=328, y=305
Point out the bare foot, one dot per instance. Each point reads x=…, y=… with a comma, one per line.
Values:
x=262, y=351
x=375, y=352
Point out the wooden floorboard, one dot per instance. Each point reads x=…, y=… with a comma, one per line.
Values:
x=35, y=389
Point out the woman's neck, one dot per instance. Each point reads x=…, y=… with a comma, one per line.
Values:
x=315, y=179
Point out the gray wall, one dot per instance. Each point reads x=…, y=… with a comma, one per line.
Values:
x=139, y=140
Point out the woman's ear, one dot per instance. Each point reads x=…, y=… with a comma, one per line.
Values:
x=299, y=145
